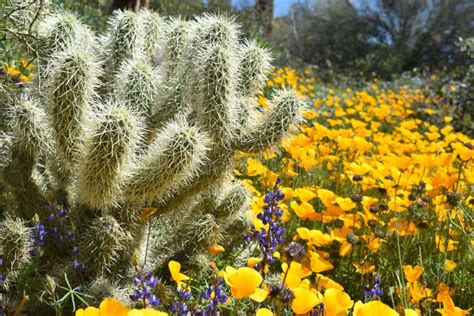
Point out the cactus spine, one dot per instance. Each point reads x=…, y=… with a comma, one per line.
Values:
x=15, y=245
x=73, y=78
x=108, y=154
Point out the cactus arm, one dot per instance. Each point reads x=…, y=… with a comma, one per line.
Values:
x=274, y=124
x=136, y=86
x=72, y=80
x=107, y=156
x=173, y=159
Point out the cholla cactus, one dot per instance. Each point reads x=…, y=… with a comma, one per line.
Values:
x=216, y=220
x=148, y=116
x=15, y=245
x=25, y=15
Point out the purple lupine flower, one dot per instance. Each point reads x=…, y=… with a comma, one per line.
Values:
x=318, y=310
x=295, y=251
x=58, y=227
x=282, y=293
x=375, y=291
x=181, y=307
x=76, y=265
x=215, y=295
x=269, y=239
x=145, y=283
x=3, y=277
x=38, y=239
x=63, y=235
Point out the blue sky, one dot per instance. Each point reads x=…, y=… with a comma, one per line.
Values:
x=281, y=6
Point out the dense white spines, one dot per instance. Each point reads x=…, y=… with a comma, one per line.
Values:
x=71, y=84
x=137, y=86
x=15, y=244
x=211, y=30
x=108, y=153
x=63, y=29
x=25, y=17
x=171, y=102
x=173, y=99
x=255, y=65
x=215, y=93
x=177, y=35
x=236, y=198
x=154, y=30
x=214, y=79
x=124, y=40
x=173, y=158
x=223, y=212
x=5, y=144
x=273, y=125
x=28, y=127
x=193, y=234
x=102, y=244
x=28, y=141
x=102, y=287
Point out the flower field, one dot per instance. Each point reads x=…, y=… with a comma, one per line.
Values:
x=162, y=166
x=381, y=201
x=373, y=214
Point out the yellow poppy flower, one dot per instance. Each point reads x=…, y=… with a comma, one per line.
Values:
x=463, y=152
x=449, y=265
x=304, y=210
x=296, y=273
x=326, y=196
x=255, y=167
x=373, y=308
x=176, y=275
x=324, y=282
x=365, y=268
x=444, y=245
x=89, y=311
x=443, y=292
x=449, y=309
x=345, y=204
x=336, y=302
x=12, y=71
x=419, y=292
x=287, y=193
x=252, y=261
x=318, y=264
x=410, y=312
x=305, y=300
x=447, y=119
x=345, y=248
x=215, y=249
x=304, y=194
x=110, y=306
x=264, y=312
x=314, y=236
x=244, y=282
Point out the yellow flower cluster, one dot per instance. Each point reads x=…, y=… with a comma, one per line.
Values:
x=19, y=71
x=112, y=307
x=363, y=171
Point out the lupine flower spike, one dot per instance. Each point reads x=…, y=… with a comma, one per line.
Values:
x=271, y=237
